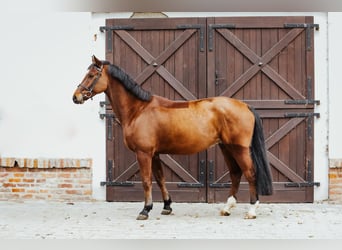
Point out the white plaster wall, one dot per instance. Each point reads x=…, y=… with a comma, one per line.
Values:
x=335, y=84
x=321, y=93
x=44, y=55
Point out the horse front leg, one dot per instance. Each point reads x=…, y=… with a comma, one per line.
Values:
x=160, y=179
x=145, y=164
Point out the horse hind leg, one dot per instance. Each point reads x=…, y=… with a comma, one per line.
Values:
x=244, y=160
x=235, y=175
x=160, y=179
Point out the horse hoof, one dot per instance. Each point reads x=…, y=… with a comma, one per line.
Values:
x=250, y=216
x=224, y=213
x=166, y=211
x=142, y=217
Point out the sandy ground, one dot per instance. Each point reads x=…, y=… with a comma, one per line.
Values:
x=103, y=220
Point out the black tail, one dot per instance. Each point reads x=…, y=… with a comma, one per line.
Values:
x=261, y=165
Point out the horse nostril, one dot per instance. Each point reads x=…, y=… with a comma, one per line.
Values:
x=74, y=98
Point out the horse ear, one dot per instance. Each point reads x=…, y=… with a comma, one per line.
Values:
x=96, y=61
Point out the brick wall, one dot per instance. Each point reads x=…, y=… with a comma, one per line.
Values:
x=45, y=179
x=335, y=180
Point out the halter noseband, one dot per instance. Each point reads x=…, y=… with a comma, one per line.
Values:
x=90, y=89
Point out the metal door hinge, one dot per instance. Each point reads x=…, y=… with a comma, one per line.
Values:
x=212, y=182
x=302, y=184
x=308, y=31
x=212, y=27
x=309, y=100
x=303, y=102
x=309, y=177
x=200, y=27
x=109, y=34
x=297, y=115
x=110, y=181
x=116, y=184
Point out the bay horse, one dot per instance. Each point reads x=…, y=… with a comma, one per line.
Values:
x=154, y=125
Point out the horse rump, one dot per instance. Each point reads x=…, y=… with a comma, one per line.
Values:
x=260, y=161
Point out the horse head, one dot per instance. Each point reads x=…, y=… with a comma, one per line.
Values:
x=93, y=83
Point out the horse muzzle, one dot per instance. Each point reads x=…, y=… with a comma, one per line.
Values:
x=78, y=98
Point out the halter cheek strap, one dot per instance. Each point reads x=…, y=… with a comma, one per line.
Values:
x=90, y=89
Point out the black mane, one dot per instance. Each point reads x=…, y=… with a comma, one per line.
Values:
x=129, y=84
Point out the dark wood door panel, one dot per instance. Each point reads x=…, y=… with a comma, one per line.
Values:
x=168, y=60
x=267, y=64
x=264, y=61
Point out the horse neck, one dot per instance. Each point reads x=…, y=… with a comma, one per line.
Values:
x=124, y=104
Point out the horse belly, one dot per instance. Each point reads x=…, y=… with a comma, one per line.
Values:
x=187, y=141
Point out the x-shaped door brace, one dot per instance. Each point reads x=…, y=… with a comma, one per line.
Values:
x=261, y=63
x=278, y=164
x=273, y=139
x=155, y=64
x=168, y=161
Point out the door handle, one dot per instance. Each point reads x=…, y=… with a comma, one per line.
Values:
x=218, y=78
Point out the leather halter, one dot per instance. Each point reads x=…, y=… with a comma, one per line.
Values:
x=90, y=89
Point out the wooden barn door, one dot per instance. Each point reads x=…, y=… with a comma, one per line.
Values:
x=265, y=61
x=268, y=63
x=168, y=58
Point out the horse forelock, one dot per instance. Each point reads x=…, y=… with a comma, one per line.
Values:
x=129, y=84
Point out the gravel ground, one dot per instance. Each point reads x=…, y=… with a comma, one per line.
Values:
x=116, y=220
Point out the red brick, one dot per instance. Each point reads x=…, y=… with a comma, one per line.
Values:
x=49, y=175
x=14, y=180
x=64, y=175
x=23, y=185
x=18, y=174
x=31, y=191
x=73, y=191
x=332, y=175
x=28, y=180
x=64, y=185
x=336, y=182
x=27, y=196
x=45, y=183
x=88, y=192
x=9, y=185
x=84, y=181
x=68, y=180
x=18, y=190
